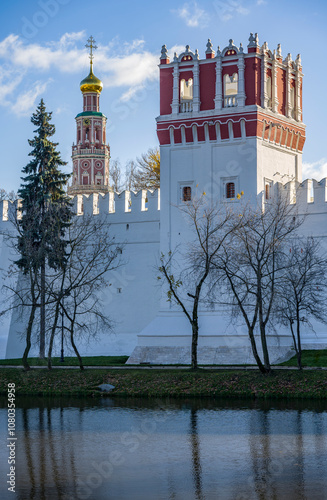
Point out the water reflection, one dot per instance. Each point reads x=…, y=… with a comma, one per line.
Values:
x=136, y=449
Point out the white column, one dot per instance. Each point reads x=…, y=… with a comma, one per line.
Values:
x=196, y=87
x=298, y=109
x=298, y=96
x=288, y=86
x=241, y=90
x=264, y=94
x=219, y=93
x=274, y=96
x=92, y=171
x=175, y=103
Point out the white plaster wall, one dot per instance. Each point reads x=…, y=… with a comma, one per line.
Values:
x=137, y=304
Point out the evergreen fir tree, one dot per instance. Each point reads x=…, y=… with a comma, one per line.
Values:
x=46, y=209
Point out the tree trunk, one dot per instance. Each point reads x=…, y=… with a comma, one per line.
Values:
x=42, y=313
x=75, y=348
x=28, y=338
x=53, y=331
x=265, y=349
x=255, y=352
x=195, y=335
x=299, y=346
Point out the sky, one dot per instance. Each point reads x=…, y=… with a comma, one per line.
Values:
x=43, y=55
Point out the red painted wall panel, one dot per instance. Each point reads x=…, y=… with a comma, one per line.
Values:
x=224, y=131
x=177, y=136
x=200, y=134
x=166, y=90
x=237, y=129
x=281, y=90
x=188, y=134
x=207, y=86
x=252, y=75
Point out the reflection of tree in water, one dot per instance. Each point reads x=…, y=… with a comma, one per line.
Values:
x=29, y=454
x=276, y=476
x=196, y=459
x=261, y=457
x=48, y=459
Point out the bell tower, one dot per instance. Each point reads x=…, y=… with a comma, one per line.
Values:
x=90, y=154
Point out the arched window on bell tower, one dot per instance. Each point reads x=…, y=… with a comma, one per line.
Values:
x=230, y=90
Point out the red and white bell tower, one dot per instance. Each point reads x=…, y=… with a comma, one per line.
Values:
x=90, y=154
x=229, y=123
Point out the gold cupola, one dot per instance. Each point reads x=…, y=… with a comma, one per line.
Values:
x=91, y=83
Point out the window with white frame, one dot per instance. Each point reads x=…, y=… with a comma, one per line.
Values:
x=230, y=188
x=230, y=90
x=186, y=89
x=185, y=192
x=268, y=189
x=98, y=180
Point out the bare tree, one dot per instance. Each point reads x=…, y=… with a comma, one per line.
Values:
x=26, y=296
x=211, y=224
x=129, y=175
x=91, y=255
x=74, y=288
x=302, y=291
x=10, y=196
x=116, y=176
x=147, y=171
x=252, y=264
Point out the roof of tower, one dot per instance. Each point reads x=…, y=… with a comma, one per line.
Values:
x=91, y=83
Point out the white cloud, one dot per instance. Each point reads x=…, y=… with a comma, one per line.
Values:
x=25, y=102
x=193, y=15
x=118, y=64
x=175, y=48
x=315, y=170
x=228, y=9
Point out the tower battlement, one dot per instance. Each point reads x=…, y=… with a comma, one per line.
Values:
x=231, y=94
x=119, y=207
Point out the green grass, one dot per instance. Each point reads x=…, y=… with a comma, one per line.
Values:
x=70, y=361
x=162, y=383
x=311, y=358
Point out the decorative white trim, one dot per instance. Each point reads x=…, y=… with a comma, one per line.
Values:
x=219, y=90
x=241, y=89
x=175, y=103
x=196, y=88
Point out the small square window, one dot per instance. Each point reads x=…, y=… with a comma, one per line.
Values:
x=230, y=190
x=187, y=193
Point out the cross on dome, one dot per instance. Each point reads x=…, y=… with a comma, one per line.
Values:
x=91, y=45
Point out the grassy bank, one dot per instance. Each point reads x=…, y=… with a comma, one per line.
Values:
x=311, y=357
x=175, y=383
x=70, y=361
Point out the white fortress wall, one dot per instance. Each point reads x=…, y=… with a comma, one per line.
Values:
x=132, y=300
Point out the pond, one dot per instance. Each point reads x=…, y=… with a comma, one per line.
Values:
x=119, y=449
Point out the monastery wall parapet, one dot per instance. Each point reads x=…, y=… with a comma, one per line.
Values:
x=124, y=207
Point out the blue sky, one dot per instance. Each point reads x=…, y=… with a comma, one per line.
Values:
x=42, y=54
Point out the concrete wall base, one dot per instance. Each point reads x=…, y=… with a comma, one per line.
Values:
x=206, y=355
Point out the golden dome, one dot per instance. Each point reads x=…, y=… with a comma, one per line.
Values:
x=91, y=83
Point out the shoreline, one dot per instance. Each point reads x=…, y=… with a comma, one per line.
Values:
x=177, y=383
